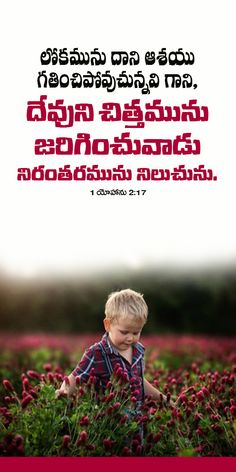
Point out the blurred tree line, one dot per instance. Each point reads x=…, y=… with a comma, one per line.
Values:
x=187, y=303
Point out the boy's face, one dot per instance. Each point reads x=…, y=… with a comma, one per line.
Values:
x=123, y=332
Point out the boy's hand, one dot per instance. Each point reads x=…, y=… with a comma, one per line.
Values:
x=60, y=393
x=67, y=387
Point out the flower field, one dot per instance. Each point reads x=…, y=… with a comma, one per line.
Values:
x=198, y=373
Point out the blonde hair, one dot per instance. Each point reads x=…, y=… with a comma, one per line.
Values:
x=126, y=303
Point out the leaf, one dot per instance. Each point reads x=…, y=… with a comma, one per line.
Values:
x=188, y=452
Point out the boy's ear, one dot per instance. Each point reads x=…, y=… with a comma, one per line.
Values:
x=106, y=323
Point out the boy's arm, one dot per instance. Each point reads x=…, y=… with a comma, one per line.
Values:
x=82, y=370
x=153, y=392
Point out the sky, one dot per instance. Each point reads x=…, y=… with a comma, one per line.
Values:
x=60, y=227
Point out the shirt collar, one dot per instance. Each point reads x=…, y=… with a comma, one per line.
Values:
x=110, y=349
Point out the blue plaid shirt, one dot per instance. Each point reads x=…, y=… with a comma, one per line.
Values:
x=103, y=357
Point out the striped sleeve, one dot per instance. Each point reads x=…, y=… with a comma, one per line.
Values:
x=85, y=365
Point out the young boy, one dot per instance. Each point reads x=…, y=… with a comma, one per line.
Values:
x=126, y=313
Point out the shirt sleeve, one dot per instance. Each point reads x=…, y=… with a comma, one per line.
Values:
x=85, y=365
